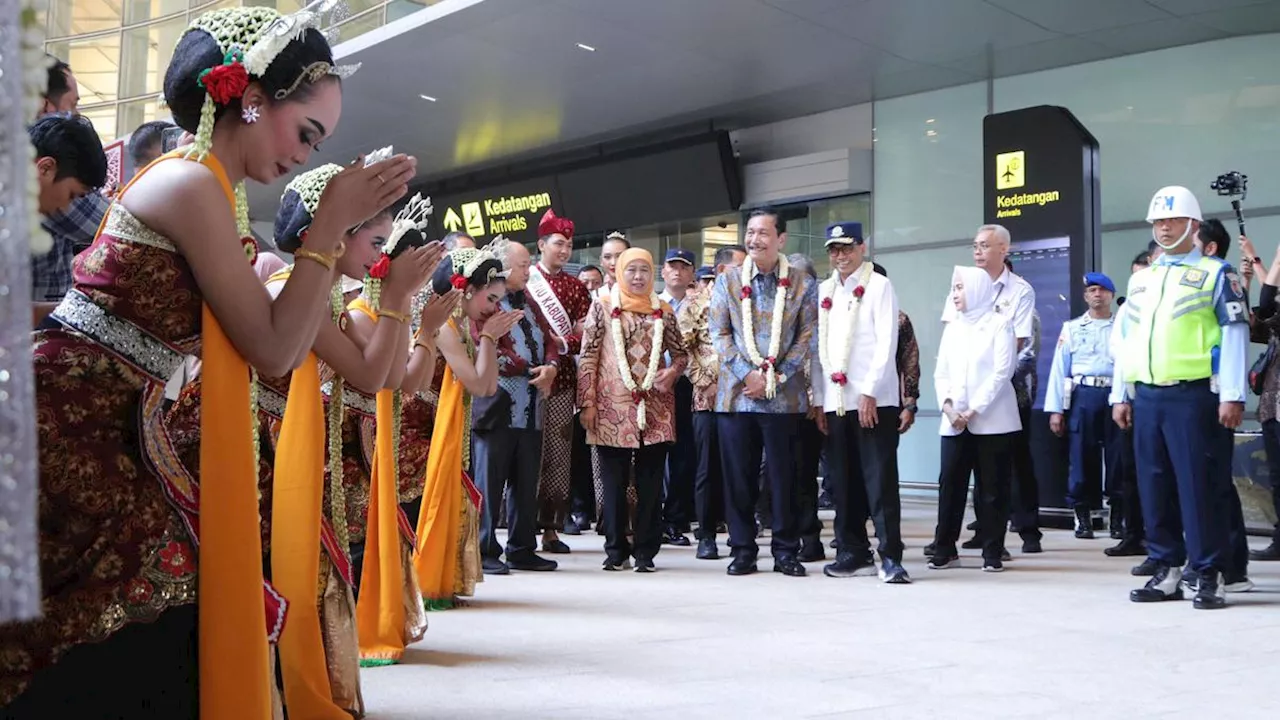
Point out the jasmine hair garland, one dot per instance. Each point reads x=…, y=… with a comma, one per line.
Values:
x=413, y=216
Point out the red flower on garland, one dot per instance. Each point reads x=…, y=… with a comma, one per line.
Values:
x=381, y=268
x=615, y=312
x=176, y=559
x=458, y=282
x=839, y=378
x=636, y=396
x=859, y=291
x=225, y=82
x=657, y=314
x=826, y=303
x=250, y=249
x=784, y=283
x=746, y=292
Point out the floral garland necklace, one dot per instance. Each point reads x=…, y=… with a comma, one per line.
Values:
x=768, y=364
x=837, y=371
x=641, y=391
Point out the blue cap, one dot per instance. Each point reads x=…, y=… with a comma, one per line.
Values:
x=680, y=255
x=706, y=272
x=845, y=233
x=1102, y=281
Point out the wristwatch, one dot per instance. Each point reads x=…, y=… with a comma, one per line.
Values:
x=912, y=408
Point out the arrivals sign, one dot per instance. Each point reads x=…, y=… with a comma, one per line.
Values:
x=511, y=210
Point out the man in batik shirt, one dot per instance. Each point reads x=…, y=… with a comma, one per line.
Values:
x=762, y=391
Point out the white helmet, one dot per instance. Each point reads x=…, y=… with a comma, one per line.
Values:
x=1173, y=201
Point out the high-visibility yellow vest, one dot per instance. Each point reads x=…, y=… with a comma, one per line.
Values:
x=1172, y=327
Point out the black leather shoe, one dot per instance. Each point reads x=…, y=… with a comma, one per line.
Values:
x=616, y=565
x=580, y=519
x=570, y=527
x=973, y=543
x=671, y=536
x=1127, y=548
x=848, y=565
x=1166, y=584
x=531, y=563
x=812, y=552
x=928, y=549
x=1146, y=569
x=1269, y=553
x=707, y=549
x=494, y=566
x=1115, y=521
x=1032, y=547
x=1084, y=523
x=1210, y=594
x=789, y=566
x=742, y=565
x=555, y=547
x=645, y=565
x=972, y=526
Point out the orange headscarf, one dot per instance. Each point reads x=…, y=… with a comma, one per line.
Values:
x=631, y=301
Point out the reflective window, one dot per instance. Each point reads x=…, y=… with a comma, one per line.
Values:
x=77, y=17
x=104, y=121
x=136, y=112
x=357, y=26
x=96, y=64
x=145, y=54
x=138, y=11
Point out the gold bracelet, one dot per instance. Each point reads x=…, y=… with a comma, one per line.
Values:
x=490, y=337
x=325, y=260
x=425, y=345
x=397, y=316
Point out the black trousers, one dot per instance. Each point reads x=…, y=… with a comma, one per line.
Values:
x=582, y=488
x=744, y=437
x=1130, y=500
x=808, y=458
x=682, y=462
x=1271, y=441
x=863, y=466
x=708, y=483
x=615, y=470
x=508, y=456
x=1025, y=499
x=987, y=458
x=145, y=670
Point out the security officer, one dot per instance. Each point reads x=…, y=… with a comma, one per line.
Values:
x=1183, y=346
x=1080, y=383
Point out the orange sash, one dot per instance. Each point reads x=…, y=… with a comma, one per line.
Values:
x=296, y=507
x=380, y=611
x=439, y=521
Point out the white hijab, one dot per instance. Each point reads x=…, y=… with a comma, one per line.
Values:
x=979, y=291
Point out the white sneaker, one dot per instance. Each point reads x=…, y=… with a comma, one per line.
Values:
x=1240, y=586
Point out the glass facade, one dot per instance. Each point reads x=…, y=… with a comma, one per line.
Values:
x=119, y=50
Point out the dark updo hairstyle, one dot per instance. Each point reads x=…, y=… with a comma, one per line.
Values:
x=198, y=51
x=292, y=219
x=442, y=280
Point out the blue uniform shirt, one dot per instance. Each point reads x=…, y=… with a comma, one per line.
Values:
x=1084, y=350
x=1230, y=306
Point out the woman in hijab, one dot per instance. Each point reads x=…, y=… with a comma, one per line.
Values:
x=626, y=392
x=976, y=359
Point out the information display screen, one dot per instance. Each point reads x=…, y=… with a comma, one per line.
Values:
x=1046, y=264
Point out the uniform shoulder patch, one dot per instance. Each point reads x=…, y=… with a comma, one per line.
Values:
x=1194, y=277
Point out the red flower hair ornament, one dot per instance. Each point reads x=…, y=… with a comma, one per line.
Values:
x=458, y=281
x=381, y=268
x=552, y=224
x=225, y=82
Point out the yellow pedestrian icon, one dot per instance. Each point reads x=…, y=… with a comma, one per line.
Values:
x=452, y=222
x=473, y=219
x=1011, y=170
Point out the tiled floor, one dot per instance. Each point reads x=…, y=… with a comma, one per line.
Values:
x=1053, y=636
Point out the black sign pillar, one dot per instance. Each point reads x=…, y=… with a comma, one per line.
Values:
x=1041, y=176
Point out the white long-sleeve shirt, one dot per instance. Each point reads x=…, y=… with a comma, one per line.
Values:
x=974, y=370
x=871, y=365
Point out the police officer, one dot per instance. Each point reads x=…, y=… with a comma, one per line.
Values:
x=1080, y=383
x=1183, y=346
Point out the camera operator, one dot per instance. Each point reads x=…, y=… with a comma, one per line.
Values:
x=1265, y=328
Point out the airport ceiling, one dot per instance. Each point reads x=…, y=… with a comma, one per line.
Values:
x=468, y=84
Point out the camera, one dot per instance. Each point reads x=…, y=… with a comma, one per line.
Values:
x=1231, y=184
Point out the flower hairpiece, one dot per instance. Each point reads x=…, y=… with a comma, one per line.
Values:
x=413, y=216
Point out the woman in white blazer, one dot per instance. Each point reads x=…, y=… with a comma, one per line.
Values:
x=976, y=359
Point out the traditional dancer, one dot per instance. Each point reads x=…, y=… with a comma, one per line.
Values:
x=448, y=556
x=118, y=513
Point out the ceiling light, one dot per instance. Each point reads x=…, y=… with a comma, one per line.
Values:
x=588, y=48
x=428, y=98
x=930, y=120
x=931, y=133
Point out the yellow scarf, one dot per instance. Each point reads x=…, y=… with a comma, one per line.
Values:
x=380, y=612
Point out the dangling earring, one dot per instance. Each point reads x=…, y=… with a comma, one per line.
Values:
x=250, y=114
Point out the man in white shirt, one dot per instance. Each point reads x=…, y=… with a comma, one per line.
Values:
x=1016, y=300
x=856, y=386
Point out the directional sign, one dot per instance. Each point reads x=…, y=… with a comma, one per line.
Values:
x=452, y=222
x=473, y=219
